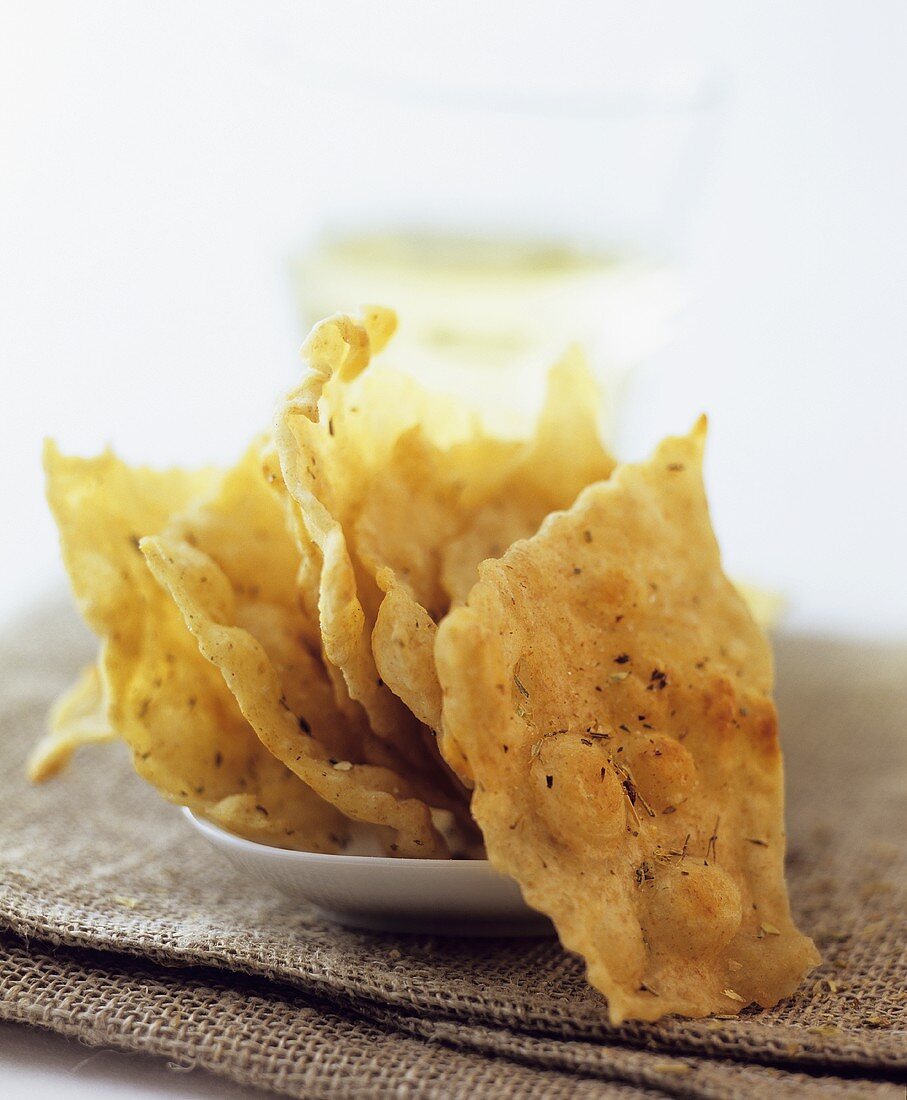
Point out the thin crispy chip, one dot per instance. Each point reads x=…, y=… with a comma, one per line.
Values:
x=324, y=485
x=242, y=527
x=308, y=569
x=187, y=736
x=335, y=434
x=362, y=792
x=461, y=505
x=79, y=718
x=230, y=564
x=609, y=692
x=403, y=642
x=414, y=508
x=565, y=455
x=432, y=512
x=405, y=494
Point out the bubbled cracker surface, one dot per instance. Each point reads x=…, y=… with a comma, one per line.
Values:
x=608, y=692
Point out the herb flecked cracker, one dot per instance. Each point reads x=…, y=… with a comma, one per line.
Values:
x=327, y=448
x=479, y=496
x=609, y=694
x=229, y=565
x=405, y=493
x=79, y=717
x=153, y=687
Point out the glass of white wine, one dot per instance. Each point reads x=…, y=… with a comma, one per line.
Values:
x=503, y=229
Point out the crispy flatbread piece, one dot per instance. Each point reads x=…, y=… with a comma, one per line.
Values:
x=230, y=566
x=78, y=718
x=404, y=494
x=187, y=735
x=608, y=692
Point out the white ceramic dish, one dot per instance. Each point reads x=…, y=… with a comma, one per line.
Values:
x=439, y=896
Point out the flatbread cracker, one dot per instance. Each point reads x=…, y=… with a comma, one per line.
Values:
x=608, y=692
x=187, y=736
x=230, y=565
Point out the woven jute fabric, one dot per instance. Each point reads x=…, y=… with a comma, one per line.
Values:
x=105, y=891
x=275, y=1037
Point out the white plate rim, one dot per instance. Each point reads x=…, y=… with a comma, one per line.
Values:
x=340, y=859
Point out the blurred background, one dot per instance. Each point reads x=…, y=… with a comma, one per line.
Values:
x=709, y=196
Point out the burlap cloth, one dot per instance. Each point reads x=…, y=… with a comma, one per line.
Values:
x=122, y=928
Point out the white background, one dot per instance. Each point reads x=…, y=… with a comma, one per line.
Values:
x=154, y=180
